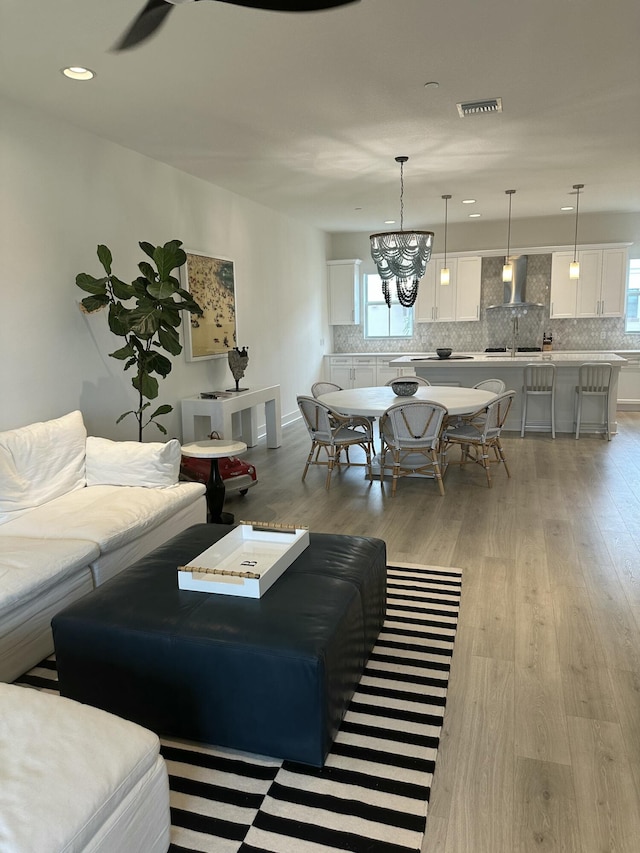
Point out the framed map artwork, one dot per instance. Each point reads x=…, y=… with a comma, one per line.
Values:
x=211, y=282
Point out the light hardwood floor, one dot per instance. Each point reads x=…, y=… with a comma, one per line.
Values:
x=540, y=748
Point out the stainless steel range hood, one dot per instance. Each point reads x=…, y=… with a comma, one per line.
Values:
x=514, y=290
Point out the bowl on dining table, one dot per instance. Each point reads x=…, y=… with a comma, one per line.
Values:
x=443, y=352
x=404, y=387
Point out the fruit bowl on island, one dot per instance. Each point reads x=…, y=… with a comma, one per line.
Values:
x=443, y=352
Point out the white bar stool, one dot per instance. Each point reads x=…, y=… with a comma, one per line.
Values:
x=539, y=381
x=594, y=380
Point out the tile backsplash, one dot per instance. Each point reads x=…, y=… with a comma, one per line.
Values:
x=495, y=328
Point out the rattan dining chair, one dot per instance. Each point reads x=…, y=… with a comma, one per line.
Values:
x=539, y=381
x=410, y=435
x=594, y=380
x=320, y=388
x=334, y=433
x=480, y=432
x=494, y=386
x=409, y=378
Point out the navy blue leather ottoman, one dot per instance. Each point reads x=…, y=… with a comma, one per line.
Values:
x=272, y=675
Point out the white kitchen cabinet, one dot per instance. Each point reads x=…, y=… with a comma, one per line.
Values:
x=343, y=284
x=629, y=383
x=386, y=371
x=600, y=290
x=468, y=281
x=353, y=371
x=446, y=303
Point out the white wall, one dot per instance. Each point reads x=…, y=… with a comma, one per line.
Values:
x=64, y=192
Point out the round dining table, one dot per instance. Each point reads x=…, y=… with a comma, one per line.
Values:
x=373, y=402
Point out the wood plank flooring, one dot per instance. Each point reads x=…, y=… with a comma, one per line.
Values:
x=541, y=744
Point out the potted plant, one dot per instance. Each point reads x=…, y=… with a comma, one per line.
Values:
x=147, y=314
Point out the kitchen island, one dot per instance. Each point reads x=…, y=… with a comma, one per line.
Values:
x=469, y=368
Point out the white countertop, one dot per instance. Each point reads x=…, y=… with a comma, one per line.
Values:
x=502, y=359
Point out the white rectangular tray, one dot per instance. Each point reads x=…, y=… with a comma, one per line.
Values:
x=245, y=551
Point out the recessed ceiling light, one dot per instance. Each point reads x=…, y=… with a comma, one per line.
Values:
x=475, y=215
x=568, y=207
x=77, y=72
x=389, y=222
x=468, y=201
x=432, y=84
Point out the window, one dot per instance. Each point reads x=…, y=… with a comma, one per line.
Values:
x=632, y=318
x=381, y=321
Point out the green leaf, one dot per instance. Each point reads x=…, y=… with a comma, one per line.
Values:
x=104, y=256
x=130, y=363
x=147, y=271
x=123, y=353
x=161, y=290
x=121, y=290
x=122, y=417
x=168, y=257
x=94, y=303
x=162, y=410
x=90, y=284
x=169, y=340
x=146, y=385
x=160, y=427
x=144, y=321
x=139, y=286
x=147, y=248
x=155, y=362
x=118, y=319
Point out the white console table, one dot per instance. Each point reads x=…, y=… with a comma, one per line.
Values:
x=220, y=411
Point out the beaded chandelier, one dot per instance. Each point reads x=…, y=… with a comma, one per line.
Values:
x=401, y=255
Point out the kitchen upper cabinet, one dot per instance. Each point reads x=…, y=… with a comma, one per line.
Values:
x=600, y=290
x=343, y=279
x=468, y=281
x=446, y=303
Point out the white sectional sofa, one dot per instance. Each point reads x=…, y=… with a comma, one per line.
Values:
x=74, y=511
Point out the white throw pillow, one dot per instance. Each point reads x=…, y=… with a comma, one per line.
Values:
x=40, y=462
x=154, y=464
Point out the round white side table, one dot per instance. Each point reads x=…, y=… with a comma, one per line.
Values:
x=214, y=449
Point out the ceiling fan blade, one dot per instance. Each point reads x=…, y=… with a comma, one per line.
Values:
x=146, y=24
x=290, y=5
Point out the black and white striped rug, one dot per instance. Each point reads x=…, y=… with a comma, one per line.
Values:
x=372, y=794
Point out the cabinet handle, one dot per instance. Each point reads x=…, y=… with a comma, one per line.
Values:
x=552, y=309
x=477, y=312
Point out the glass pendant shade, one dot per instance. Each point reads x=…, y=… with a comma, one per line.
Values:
x=401, y=256
x=507, y=269
x=445, y=276
x=574, y=266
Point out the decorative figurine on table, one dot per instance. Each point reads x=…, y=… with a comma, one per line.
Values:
x=238, y=360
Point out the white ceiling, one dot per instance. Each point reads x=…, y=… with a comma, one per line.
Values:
x=305, y=113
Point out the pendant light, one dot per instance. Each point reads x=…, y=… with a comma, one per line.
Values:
x=507, y=269
x=445, y=277
x=574, y=266
x=401, y=255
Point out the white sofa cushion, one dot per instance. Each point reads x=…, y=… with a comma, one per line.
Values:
x=40, y=462
x=30, y=567
x=131, y=463
x=65, y=770
x=110, y=516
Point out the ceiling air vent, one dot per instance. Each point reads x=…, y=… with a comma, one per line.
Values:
x=471, y=108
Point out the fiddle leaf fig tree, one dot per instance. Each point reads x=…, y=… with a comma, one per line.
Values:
x=146, y=313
